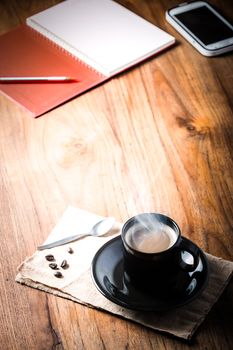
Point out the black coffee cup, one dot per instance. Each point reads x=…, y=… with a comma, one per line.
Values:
x=154, y=252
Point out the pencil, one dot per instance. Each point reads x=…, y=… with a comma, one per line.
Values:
x=36, y=79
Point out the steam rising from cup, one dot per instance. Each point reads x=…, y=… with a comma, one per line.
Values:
x=150, y=235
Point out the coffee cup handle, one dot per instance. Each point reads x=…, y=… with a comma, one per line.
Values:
x=192, y=249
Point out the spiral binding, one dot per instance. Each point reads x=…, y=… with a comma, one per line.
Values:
x=51, y=37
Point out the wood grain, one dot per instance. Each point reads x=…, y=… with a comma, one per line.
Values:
x=155, y=138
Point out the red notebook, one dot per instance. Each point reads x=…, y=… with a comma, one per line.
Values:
x=86, y=40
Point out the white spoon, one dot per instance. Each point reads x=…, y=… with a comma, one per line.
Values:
x=99, y=229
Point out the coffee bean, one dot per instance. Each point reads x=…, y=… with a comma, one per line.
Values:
x=58, y=274
x=64, y=264
x=49, y=257
x=70, y=250
x=53, y=266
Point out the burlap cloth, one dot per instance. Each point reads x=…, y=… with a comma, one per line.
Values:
x=77, y=285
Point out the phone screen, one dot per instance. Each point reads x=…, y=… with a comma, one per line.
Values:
x=205, y=25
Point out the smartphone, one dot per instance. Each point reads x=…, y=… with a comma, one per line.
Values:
x=206, y=29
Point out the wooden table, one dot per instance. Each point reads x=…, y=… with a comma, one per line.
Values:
x=155, y=138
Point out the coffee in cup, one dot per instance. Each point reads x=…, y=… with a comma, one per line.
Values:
x=153, y=239
x=153, y=254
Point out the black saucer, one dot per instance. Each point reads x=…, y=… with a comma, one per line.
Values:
x=109, y=278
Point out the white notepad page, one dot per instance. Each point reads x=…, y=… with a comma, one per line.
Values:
x=102, y=33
